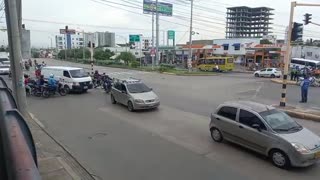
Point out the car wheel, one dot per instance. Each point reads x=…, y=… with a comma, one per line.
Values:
x=216, y=135
x=130, y=106
x=256, y=75
x=113, y=101
x=273, y=76
x=280, y=159
x=67, y=89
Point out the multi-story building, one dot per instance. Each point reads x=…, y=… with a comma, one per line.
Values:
x=70, y=41
x=101, y=39
x=146, y=43
x=246, y=22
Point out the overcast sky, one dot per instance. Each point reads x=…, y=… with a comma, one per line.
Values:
x=45, y=17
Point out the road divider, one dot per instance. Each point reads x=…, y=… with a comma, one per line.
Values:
x=300, y=113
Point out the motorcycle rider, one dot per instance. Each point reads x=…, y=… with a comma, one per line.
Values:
x=96, y=78
x=52, y=83
x=107, y=81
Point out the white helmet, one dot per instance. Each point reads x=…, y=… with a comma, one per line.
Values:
x=51, y=76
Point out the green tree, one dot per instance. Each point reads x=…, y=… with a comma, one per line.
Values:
x=126, y=57
x=99, y=54
x=35, y=54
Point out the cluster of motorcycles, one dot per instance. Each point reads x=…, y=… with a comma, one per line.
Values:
x=45, y=90
x=103, y=81
x=315, y=82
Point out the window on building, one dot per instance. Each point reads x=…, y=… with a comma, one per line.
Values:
x=226, y=47
x=60, y=38
x=236, y=48
x=80, y=39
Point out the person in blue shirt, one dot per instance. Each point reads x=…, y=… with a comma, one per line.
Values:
x=52, y=83
x=304, y=89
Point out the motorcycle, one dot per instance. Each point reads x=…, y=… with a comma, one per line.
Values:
x=50, y=91
x=107, y=85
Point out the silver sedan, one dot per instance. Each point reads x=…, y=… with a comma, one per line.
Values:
x=265, y=130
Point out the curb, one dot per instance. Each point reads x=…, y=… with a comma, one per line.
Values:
x=302, y=115
x=280, y=82
x=175, y=74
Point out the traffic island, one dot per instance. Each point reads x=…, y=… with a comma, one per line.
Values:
x=300, y=113
x=280, y=81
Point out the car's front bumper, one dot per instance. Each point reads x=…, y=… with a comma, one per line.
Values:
x=146, y=105
x=80, y=88
x=304, y=160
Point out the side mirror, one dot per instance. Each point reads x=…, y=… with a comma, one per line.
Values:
x=257, y=127
x=124, y=92
x=151, y=89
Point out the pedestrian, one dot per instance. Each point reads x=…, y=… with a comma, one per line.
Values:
x=304, y=89
x=292, y=74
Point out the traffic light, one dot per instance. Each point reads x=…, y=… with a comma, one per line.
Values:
x=307, y=18
x=89, y=44
x=297, y=32
x=93, y=45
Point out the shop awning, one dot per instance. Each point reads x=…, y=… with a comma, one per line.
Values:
x=225, y=44
x=236, y=44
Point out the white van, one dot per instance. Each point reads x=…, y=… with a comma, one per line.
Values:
x=73, y=78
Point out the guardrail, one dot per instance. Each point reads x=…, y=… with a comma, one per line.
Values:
x=18, y=157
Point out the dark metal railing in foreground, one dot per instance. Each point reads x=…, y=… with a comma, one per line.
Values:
x=18, y=157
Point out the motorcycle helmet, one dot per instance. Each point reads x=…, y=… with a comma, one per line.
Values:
x=51, y=76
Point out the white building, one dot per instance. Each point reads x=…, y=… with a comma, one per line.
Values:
x=71, y=41
x=146, y=43
x=307, y=52
x=234, y=47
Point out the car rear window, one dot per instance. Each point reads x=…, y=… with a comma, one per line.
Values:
x=228, y=112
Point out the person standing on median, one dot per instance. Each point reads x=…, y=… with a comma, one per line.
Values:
x=304, y=89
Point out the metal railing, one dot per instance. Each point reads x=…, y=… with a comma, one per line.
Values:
x=18, y=157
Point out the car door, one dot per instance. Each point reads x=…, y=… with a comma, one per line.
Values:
x=269, y=72
x=226, y=122
x=116, y=91
x=253, y=138
x=123, y=94
x=263, y=72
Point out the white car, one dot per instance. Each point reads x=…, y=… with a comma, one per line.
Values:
x=4, y=69
x=268, y=72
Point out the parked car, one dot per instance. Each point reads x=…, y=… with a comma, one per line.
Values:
x=134, y=94
x=4, y=69
x=73, y=78
x=265, y=130
x=268, y=72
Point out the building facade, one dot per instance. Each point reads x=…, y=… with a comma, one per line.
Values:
x=70, y=41
x=306, y=52
x=246, y=22
x=234, y=47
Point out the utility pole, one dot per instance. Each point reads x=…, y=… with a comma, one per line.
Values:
x=190, y=39
x=91, y=52
x=287, y=58
x=157, y=34
x=66, y=42
x=288, y=51
x=14, y=39
x=152, y=55
x=83, y=47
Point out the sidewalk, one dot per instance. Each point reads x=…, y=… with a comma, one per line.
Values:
x=55, y=162
x=279, y=81
x=302, y=112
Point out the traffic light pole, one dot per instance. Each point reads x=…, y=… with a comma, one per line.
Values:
x=14, y=40
x=315, y=23
x=288, y=52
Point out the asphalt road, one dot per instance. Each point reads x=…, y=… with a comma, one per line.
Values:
x=172, y=142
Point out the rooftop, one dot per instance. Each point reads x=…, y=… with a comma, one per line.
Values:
x=246, y=7
x=257, y=107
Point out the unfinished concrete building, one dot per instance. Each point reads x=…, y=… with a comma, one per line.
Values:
x=246, y=22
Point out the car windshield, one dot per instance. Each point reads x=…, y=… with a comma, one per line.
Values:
x=78, y=73
x=138, y=88
x=279, y=121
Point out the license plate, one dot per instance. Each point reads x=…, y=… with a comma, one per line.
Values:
x=85, y=87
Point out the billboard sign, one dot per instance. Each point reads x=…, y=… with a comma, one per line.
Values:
x=171, y=34
x=164, y=9
x=70, y=31
x=134, y=38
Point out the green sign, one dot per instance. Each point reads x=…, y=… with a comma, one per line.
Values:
x=171, y=34
x=164, y=9
x=134, y=38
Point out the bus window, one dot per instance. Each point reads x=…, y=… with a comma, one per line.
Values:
x=230, y=60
